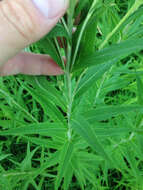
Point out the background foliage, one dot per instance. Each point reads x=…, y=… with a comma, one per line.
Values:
x=82, y=130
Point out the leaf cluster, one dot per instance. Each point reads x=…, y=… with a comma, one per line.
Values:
x=82, y=130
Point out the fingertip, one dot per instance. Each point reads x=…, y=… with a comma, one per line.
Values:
x=50, y=67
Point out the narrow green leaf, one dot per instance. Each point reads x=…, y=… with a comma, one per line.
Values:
x=68, y=177
x=137, y=14
x=64, y=161
x=50, y=161
x=116, y=51
x=130, y=156
x=50, y=92
x=83, y=128
x=111, y=131
x=26, y=164
x=88, y=39
x=46, y=128
x=139, y=90
x=47, y=143
x=3, y=156
x=49, y=107
x=78, y=172
x=107, y=112
x=91, y=76
x=46, y=45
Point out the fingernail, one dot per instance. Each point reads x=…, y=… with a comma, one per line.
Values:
x=60, y=72
x=50, y=8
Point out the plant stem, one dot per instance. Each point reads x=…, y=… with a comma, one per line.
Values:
x=69, y=88
x=71, y=63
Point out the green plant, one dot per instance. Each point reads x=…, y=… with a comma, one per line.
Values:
x=82, y=130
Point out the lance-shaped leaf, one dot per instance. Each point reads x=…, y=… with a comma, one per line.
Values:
x=84, y=129
x=117, y=51
x=107, y=112
x=64, y=162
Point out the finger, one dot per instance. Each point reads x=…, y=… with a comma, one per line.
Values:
x=31, y=64
x=23, y=22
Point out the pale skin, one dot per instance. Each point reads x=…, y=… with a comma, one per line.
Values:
x=21, y=24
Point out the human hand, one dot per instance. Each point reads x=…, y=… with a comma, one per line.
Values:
x=23, y=22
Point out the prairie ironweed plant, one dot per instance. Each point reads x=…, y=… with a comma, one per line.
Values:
x=82, y=130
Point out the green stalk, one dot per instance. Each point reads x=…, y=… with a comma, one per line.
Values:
x=68, y=79
x=71, y=63
x=69, y=88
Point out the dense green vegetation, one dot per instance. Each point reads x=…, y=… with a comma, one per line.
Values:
x=82, y=130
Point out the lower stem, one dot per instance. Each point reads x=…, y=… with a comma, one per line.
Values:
x=69, y=89
x=69, y=107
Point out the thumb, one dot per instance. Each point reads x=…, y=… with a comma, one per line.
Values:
x=24, y=22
